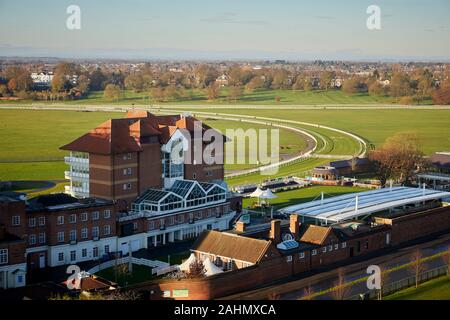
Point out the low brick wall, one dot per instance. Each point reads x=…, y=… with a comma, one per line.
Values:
x=219, y=285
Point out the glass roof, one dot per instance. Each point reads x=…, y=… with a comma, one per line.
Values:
x=182, y=187
x=207, y=186
x=153, y=195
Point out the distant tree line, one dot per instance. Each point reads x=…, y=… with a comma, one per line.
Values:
x=160, y=84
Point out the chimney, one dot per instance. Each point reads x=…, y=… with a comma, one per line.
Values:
x=294, y=225
x=275, y=233
x=240, y=226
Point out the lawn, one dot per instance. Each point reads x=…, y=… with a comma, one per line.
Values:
x=175, y=258
x=432, y=126
x=437, y=289
x=30, y=140
x=140, y=274
x=258, y=97
x=289, y=198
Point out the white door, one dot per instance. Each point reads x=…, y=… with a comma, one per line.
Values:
x=124, y=248
x=135, y=245
x=42, y=260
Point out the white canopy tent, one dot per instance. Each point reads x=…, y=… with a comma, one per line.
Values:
x=256, y=193
x=185, y=266
x=267, y=194
x=211, y=268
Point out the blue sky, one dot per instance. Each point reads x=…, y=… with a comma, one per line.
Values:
x=227, y=29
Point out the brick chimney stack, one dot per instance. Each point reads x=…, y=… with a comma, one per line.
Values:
x=275, y=232
x=294, y=226
x=240, y=226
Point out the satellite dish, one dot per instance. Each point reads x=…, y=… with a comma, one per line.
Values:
x=287, y=237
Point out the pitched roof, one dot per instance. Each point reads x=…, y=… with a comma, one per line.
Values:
x=117, y=136
x=441, y=159
x=348, y=163
x=313, y=234
x=231, y=246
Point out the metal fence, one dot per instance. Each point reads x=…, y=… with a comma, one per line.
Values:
x=403, y=284
x=158, y=267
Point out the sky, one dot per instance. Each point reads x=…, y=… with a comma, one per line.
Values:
x=227, y=29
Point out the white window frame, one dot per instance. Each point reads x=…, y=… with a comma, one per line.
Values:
x=84, y=217
x=314, y=252
x=95, y=252
x=42, y=238
x=107, y=214
x=32, y=239
x=84, y=233
x=60, y=220
x=95, y=215
x=302, y=255
x=60, y=236
x=73, y=218
x=84, y=253
x=61, y=257
x=73, y=235
x=3, y=256
x=106, y=230
x=344, y=245
x=324, y=249
x=95, y=232
x=74, y=252
x=336, y=246
x=32, y=222
x=15, y=221
x=289, y=258
x=41, y=221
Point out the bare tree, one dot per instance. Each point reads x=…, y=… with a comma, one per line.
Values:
x=383, y=281
x=416, y=266
x=307, y=293
x=197, y=269
x=273, y=296
x=340, y=289
x=446, y=258
x=398, y=158
x=213, y=91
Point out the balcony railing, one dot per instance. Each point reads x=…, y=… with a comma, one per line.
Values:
x=76, y=191
x=75, y=160
x=75, y=175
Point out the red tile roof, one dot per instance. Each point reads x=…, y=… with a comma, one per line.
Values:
x=117, y=136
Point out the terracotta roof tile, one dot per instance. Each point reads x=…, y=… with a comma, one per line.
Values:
x=123, y=135
x=231, y=246
x=313, y=234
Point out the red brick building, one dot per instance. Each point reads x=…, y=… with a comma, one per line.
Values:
x=122, y=158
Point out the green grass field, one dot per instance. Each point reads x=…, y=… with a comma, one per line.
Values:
x=432, y=126
x=139, y=274
x=437, y=289
x=260, y=97
x=289, y=198
x=30, y=140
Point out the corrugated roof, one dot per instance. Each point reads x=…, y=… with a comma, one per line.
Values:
x=231, y=246
x=350, y=206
